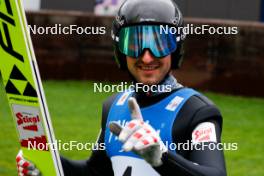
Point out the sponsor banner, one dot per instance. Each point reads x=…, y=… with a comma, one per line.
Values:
x=29, y=125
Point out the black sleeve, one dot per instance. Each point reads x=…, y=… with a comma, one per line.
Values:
x=99, y=163
x=195, y=162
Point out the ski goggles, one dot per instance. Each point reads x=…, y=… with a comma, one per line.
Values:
x=133, y=40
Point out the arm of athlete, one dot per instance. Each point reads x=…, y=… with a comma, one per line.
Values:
x=203, y=119
x=200, y=161
x=98, y=164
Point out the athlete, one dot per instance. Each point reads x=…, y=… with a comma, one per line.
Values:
x=139, y=128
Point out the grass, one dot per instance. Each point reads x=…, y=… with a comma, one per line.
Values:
x=76, y=114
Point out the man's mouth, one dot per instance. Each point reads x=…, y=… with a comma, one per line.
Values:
x=148, y=67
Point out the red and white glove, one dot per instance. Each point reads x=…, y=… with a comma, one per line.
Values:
x=24, y=167
x=140, y=137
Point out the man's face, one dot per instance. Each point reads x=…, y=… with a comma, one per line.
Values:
x=147, y=69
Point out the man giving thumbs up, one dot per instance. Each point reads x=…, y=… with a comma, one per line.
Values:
x=139, y=136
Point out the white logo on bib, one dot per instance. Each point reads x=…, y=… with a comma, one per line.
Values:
x=174, y=103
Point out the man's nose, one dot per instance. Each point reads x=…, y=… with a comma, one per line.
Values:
x=147, y=57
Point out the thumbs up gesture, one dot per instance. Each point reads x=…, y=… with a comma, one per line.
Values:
x=139, y=137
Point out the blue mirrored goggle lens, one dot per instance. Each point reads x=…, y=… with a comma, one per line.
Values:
x=133, y=40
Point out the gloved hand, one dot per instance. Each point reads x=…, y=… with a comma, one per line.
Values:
x=139, y=137
x=24, y=167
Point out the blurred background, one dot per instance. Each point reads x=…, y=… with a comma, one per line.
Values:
x=229, y=69
x=210, y=60
x=225, y=9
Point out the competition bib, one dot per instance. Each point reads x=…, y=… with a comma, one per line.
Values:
x=160, y=116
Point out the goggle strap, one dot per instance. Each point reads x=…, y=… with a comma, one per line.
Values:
x=115, y=38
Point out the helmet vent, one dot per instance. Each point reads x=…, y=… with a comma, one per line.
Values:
x=175, y=21
x=120, y=21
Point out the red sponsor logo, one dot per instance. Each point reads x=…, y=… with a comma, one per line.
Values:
x=203, y=134
x=34, y=141
x=24, y=119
